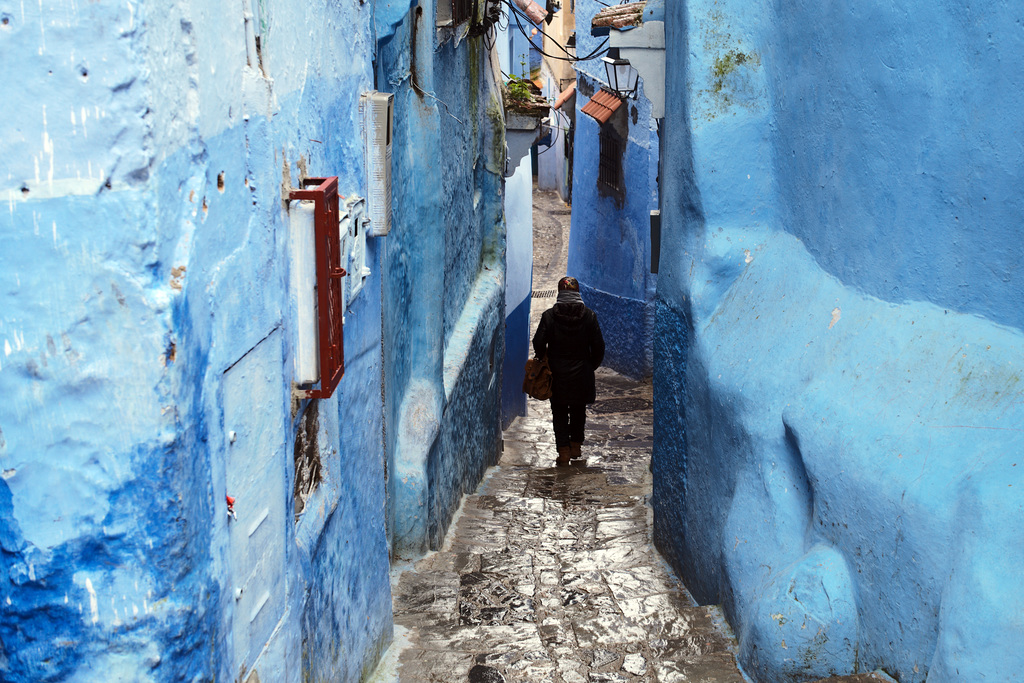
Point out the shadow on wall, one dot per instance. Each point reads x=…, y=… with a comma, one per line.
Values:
x=628, y=329
x=834, y=449
x=827, y=510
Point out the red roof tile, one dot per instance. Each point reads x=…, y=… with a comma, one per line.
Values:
x=602, y=105
x=564, y=97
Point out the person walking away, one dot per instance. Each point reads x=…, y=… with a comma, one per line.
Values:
x=570, y=337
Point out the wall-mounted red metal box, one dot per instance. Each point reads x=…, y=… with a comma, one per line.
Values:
x=330, y=300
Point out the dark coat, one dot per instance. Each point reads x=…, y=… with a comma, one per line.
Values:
x=570, y=337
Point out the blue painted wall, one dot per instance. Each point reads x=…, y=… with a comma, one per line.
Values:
x=517, y=352
x=147, y=334
x=945, y=80
x=553, y=159
x=518, y=251
x=518, y=290
x=837, y=349
x=610, y=243
x=444, y=281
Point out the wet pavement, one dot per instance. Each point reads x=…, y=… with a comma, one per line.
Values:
x=551, y=219
x=549, y=573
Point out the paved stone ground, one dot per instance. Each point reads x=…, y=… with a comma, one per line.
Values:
x=551, y=218
x=549, y=574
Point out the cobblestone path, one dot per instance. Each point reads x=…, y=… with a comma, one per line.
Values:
x=549, y=573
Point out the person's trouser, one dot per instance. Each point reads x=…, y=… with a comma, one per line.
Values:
x=568, y=420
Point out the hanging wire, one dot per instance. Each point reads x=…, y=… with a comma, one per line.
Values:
x=517, y=13
x=490, y=38
x=554, y=139
x=420, y=91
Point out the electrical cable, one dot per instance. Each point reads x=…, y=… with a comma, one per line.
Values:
x=490, y=38
x=552, y=39
x=598, y=51
x=553, y=141
x=522, y=29
x=519, y=14
x=421, y=91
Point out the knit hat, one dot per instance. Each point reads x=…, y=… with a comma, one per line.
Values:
x=568, y=284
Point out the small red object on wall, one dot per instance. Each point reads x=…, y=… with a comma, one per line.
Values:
x=330, y=302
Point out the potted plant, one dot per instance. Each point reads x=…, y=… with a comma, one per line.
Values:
x=525, y=106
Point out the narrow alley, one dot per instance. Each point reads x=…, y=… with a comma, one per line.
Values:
x=549, y=573
x=269, y=278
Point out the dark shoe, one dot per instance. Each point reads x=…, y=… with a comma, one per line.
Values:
x=574, y=450
x=564, y=453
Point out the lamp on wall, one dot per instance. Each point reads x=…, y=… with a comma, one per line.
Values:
x=622, y=78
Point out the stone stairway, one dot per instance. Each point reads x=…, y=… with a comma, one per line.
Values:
x=549, y=574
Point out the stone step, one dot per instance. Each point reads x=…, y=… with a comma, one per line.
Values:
x=548, y=574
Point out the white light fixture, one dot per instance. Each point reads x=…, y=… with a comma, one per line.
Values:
x=644, y=47
x=622, y=78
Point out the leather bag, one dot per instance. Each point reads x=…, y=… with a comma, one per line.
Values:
x=537, y=379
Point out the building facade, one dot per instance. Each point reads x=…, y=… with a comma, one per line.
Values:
x=558, y=78
x=615, y=188
x=173, y=504
x=839, y=334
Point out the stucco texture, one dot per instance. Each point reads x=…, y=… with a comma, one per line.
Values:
x=444, y=281
x=147, y=334
x=610, y=241
x=837, y=349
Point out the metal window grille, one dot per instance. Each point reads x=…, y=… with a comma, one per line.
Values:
x=453, y=12
x=330, y=304
x=461, y=11
x=609, y=168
